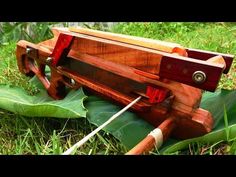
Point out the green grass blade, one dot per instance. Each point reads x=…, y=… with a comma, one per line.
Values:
x=226, y=124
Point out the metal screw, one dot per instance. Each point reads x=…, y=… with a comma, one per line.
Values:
x=199, y=77
x=28, y=50
x=72, y=81
x=49, y=60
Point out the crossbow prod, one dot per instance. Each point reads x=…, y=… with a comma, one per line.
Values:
x=168, y=77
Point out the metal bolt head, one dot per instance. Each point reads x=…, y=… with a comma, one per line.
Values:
x=72, y=82
x=49, y=60
x=28, y=50
x=199, y=77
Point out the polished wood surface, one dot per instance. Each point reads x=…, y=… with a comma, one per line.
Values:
x=139, y=41
x=167, y=65
x=186, y=97
x=205, y=55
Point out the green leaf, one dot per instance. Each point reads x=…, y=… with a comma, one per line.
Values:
x=214, y=102
x=226, y=124
x=16, y=100
x=212, y=137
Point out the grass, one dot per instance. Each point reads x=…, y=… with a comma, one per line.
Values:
x=24, y=135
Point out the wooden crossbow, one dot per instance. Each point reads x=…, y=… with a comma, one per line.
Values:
x=169, y=77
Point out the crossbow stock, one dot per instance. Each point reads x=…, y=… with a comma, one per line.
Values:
x=169, y=77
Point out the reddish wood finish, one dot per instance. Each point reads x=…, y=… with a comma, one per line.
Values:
x=62, y=48
x=183, y=94
x=150, y=61
x=144, y=146
x=139, y=41
x=145, y=59
x=104, y=90
x=179, y=71
x=156, y=94
x=205, y=55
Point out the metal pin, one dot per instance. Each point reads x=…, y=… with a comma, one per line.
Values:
x=28, y=50
x=49, y=60
x=72, y=82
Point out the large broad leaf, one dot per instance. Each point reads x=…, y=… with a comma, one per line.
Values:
x=16, y=100
x=215, y=103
